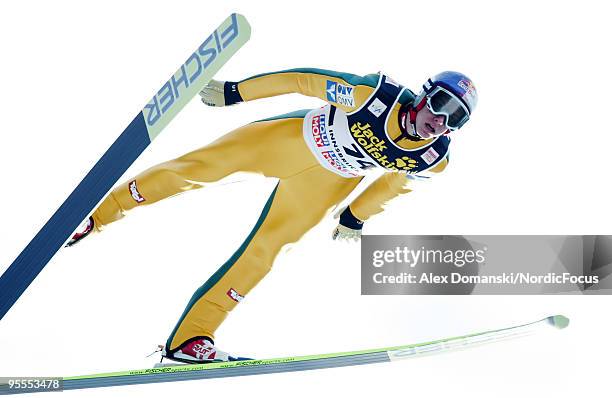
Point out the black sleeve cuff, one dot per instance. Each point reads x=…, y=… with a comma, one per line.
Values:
x=231, y=93
x=349, y=220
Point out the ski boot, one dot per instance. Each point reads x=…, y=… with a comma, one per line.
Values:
x=200, y=350
x=82, y=231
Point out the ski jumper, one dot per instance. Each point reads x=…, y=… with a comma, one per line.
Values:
x=318, y=156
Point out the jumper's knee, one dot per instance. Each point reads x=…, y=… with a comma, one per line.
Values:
x=259, y=261
x=206, y=166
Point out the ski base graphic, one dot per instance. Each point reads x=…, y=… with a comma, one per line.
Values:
x=295, y=364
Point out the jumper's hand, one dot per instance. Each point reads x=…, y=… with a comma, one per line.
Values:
x=344, y=233
x=349, y=227
x=213, y=94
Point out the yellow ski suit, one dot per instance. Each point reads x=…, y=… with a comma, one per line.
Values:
x=274, y=147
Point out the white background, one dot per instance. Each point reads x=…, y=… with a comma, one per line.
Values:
x=532, y=161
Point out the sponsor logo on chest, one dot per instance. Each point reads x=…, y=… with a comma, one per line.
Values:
x=319, y=131
x=377, y=107
x=377, y=148
x=430, y=156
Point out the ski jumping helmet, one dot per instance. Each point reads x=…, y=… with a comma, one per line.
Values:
x=451, y=94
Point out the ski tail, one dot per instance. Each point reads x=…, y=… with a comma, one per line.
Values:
x=168, y=101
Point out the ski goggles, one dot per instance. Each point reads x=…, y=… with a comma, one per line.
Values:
x=442, y=102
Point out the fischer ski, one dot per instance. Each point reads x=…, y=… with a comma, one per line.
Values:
x=182, y=86
x=291, y=364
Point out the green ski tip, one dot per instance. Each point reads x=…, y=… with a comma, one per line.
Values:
x=559, y=321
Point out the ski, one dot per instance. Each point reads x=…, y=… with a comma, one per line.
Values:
x=292, y=364
x=182, y=86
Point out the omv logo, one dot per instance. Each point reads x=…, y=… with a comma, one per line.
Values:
x=331, y=91
x=340, y=93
